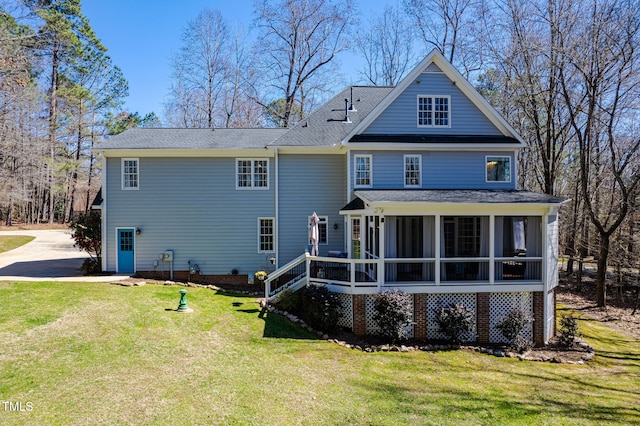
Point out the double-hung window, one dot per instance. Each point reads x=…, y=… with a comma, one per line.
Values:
x=412, y=171
x=362, y=171
x=265, y=235
x=252, y=173
x=434, y=111
x=498, y=169
x=322, y=229
x=130, y=174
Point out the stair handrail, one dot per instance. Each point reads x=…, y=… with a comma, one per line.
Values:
x=281, y=271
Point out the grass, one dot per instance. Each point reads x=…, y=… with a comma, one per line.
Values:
x=9, y=242
x=89, y=353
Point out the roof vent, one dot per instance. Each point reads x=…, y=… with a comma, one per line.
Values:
x=346, y=111
x=351, y=106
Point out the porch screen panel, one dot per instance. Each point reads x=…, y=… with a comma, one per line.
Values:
x=429, y=236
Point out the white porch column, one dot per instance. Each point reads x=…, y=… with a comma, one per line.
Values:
x=381, y=253
x=437, y=248
x=492, y=244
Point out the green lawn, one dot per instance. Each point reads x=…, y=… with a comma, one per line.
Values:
x=91, y=353
x=9, y=242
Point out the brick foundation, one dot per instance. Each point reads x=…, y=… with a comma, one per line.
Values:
x=240, y=279
x=420, y=316
x=482, y=317
x=359, y=314
x=538, y=318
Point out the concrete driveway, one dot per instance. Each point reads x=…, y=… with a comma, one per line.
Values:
x=51, y=256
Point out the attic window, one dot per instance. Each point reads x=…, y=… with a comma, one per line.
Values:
x=434, y=111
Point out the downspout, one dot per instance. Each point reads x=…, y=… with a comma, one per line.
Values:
x=277, y=208
x=103, y=214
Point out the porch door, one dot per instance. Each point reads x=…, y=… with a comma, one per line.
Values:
x=372, y=250
x=410, y=245
x=126, y=249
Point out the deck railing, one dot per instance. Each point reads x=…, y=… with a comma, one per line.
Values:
x=353, y=274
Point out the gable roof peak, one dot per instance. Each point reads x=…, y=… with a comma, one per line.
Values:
x=436, y=58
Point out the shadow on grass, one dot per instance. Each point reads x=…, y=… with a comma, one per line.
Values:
x=491, y=407
x=275, y=326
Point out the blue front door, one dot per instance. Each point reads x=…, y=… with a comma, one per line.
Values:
x=125, y=250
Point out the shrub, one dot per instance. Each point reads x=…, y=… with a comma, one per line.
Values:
x=393, y=313
x=568, y=331
x=456, y=322
x=91, y=266
x=289, y=301
x=87, y=234
x=319, y=307
x=511, y=327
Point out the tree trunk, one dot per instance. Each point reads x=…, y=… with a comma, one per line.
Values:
x=601, y=274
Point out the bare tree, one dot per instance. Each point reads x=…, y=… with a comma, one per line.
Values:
x=387, y=48
x=526, y=51
x=200, y=69
x=450, y=26
x=601, y=88
x=297, y=40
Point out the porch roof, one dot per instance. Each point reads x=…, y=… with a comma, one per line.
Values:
x=459, y=196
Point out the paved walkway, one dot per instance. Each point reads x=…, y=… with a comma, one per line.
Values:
x=51, y=256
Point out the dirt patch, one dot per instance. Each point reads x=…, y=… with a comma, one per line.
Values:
x=33, y=227
x=621, y=303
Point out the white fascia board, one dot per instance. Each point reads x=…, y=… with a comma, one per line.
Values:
x=387, y=208
x=481, y=147
x=458, y=79
x=333, y=149
x=141, y=153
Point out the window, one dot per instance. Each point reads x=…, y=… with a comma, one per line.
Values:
x=412, y=169
x=355, y=238
x=462, y=236
x=252, y=174
x=265, y=235
x=362, y=171
x=498, y=169
x=130, y=171
x=322, y=229
x=433, y=111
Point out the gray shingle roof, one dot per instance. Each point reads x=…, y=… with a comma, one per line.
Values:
x=192, y=139
x=457, y=196
x=326, y=126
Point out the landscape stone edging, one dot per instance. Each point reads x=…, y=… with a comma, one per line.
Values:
x=588, y=355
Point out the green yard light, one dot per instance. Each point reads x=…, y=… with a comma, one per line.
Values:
x=183, y=308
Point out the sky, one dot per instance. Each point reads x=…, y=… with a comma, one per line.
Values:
x=141, y=36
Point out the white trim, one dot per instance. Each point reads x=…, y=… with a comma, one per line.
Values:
x=103, y=214
x=486, y=174
x=404, y=169
x=276, y=195
x=122, y=180
x=252, y=187
x=273, y=234
x=355, y=170
x=433, y=106
x=437, y=58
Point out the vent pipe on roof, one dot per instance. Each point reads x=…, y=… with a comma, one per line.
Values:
x=352, y=107
x=346, y=111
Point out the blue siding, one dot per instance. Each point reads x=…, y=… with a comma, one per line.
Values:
x=190, y=206
x=310, y=183
x=401, y=116
x=440, y=169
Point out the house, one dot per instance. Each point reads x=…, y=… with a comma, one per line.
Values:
x=414, y=187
